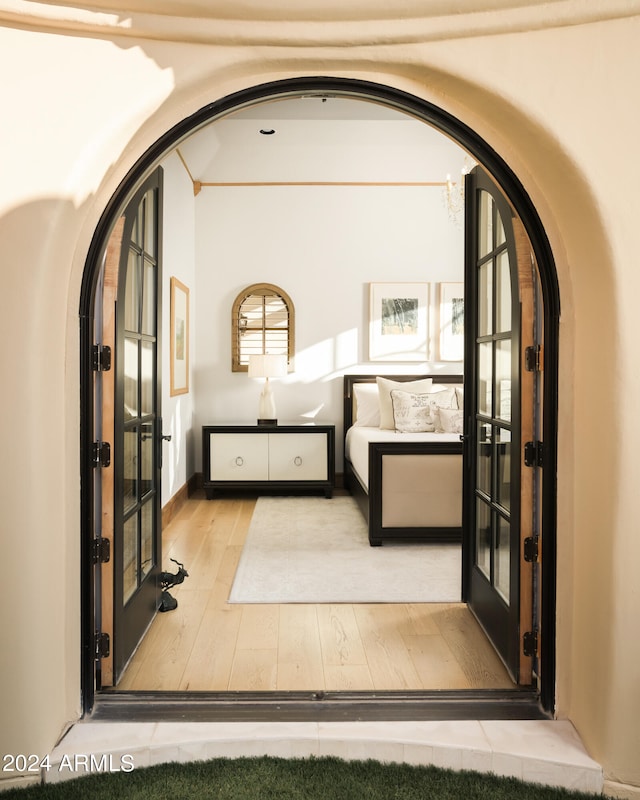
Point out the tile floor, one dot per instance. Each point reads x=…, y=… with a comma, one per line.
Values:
x=543, y=751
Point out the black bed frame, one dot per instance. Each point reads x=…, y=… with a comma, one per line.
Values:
x=370, y=500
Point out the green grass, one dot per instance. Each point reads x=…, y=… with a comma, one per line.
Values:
x=292, y=779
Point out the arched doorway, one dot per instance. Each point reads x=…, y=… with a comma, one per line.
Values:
x=520, y=202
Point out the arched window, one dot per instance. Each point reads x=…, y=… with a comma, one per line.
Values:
x=262, y=321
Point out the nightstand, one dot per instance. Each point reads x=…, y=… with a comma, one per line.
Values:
x=264, y=457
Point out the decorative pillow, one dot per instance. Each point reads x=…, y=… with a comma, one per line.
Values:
x=443, y=396
x=367, y=405
x=460, y=396
x=412, y=413
x=386, y=386
x=449, y=420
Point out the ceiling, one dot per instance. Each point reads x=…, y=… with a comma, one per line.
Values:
x=320, y=139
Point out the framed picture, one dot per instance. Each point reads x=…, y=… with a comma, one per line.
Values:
x=452, y=322
x=399, y=322
x=179, y=334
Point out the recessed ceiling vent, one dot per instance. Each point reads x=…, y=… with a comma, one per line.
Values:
x=267, y=131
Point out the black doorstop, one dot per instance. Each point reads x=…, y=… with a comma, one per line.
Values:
x=168, y=579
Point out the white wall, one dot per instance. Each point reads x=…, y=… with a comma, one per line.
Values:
x=322, y=246
x=178, y=262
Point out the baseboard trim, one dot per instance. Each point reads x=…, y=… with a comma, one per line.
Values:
x=173, y=506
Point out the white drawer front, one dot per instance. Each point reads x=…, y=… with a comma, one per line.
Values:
x=298, y=457
x=239, y=457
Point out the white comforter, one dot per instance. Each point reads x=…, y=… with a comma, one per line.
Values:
x=358, y=438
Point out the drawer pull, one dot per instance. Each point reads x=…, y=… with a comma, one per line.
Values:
x=297, y=461
x=239, y=461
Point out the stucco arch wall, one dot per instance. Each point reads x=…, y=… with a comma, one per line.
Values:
x=537, y=111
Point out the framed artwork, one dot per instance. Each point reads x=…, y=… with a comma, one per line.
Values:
x=399, y=322
x=179, y=335
x=452, y=322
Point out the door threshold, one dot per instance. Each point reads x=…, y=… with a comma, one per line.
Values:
x=498, y=704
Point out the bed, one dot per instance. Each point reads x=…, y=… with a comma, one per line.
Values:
x=405, y=475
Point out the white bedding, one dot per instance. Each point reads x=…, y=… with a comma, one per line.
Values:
x=358, y=438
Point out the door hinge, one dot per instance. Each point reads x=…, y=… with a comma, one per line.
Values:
x=101, y=551
x=533, y=358
x=530, y=644
x=531, y=549
x=101, y=454
x=534, y=454
x=102, y=645
x=101, y=358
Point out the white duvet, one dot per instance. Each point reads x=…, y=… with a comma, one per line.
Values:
x=358, y=438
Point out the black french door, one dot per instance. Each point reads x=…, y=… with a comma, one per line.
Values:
x=137, y=423
x=491, y=576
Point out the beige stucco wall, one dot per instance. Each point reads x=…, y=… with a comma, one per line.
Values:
x=556, y=103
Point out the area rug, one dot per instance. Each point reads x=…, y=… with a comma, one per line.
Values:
x=314, y=550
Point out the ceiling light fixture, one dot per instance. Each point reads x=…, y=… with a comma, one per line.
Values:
x=453, y=194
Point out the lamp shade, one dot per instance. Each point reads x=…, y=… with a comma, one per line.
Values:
x=267, y=365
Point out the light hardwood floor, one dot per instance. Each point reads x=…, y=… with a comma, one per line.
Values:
x=208, y=644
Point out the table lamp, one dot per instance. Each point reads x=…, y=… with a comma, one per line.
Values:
x=267, y=366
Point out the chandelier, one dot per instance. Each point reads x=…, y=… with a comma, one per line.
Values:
x=453, y=194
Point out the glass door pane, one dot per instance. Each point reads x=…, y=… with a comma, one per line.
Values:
x=131, y=377
x=130, y=469
x=484, y=538
x=147, y=377
x=147, y=524
x=503, y=379
x=130, y=560
x=485, y=224
x=484, y=461
x=485, y=378
x=132, y=293
x=149, y=299
x=503, y=467
x=502, y=559
x=503, y=293
x=485, y=300
x=149, y=243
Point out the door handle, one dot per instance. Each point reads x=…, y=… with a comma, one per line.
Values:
x=161, y=436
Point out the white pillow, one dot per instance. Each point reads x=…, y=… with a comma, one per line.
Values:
x=449, y=420
x=367, y=405
x=460, y=396
x=386, y=386
x=412, y=413
x=443, y=396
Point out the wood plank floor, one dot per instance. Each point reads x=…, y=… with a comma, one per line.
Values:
x=208, y=644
